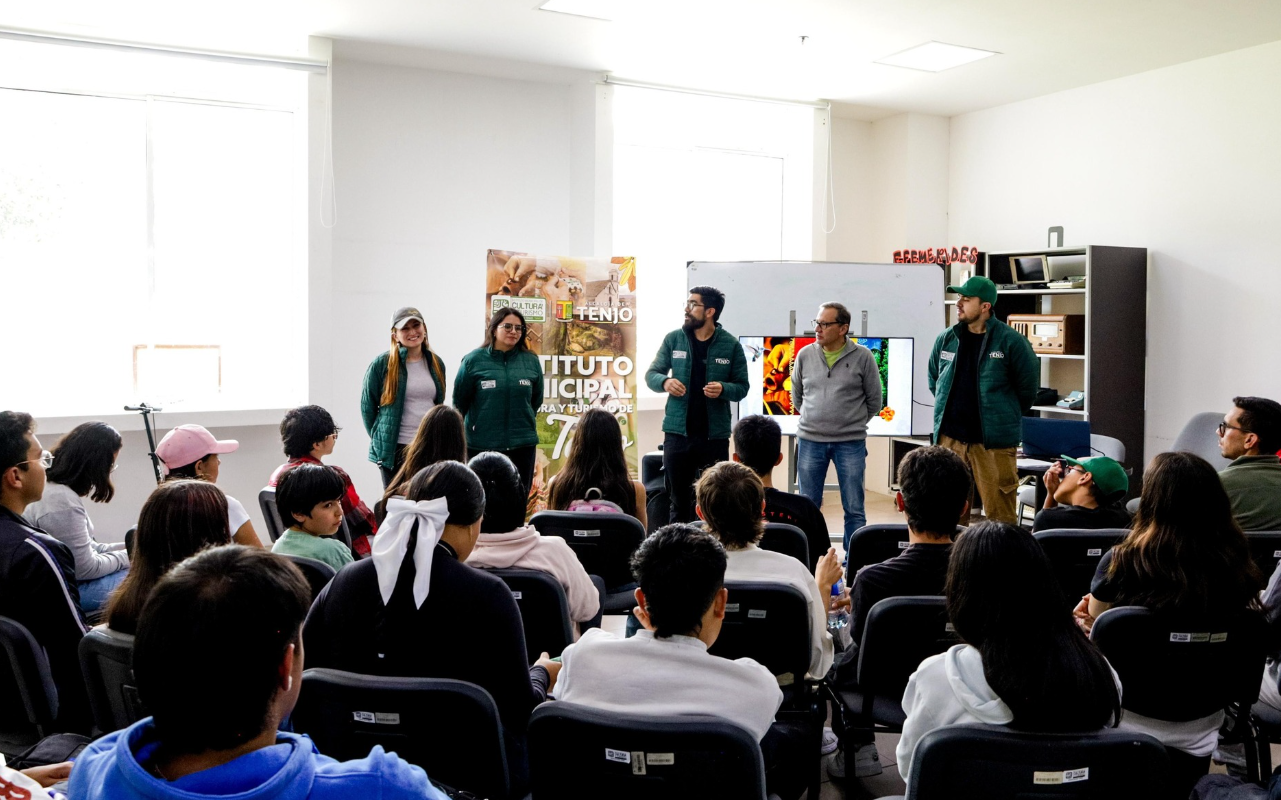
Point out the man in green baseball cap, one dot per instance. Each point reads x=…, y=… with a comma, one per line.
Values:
x=1084, y=493
x=984, y=376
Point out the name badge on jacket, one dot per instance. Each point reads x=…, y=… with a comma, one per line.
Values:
x=488, y=384
x=946, y=356
x=678, y=354
x=525, y=382
x=722, y=361
x=996, y=354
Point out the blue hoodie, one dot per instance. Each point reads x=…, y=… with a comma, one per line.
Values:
x=292, y=769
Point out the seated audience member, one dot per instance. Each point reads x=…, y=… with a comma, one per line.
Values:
x=1023, y=663
x=730, y=498
x=758, y=443
x=83, y=461
x=308, y=434
x=1250, y=435
x=1185, y=557
x=191, y=452
x=1084, y=494
x=214, y=736
x=506, y=542
x=414, y=609
x=37, y=572
x=596, y=461
x=441, y=437
x=665, y=668
x=179, y=519
x=309, y=499
x=934, y=490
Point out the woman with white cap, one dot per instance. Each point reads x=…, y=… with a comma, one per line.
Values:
x=401, y=386
x=414, y=609
x=191, y=451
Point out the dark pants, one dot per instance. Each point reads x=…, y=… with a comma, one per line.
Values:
x=522, y=457
x=789, y=750
x=388, y=474
x=684, y=459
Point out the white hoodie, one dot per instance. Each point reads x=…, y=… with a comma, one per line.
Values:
x=525, y=548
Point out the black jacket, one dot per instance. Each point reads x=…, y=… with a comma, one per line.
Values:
x=38, y=590
x=468, y=629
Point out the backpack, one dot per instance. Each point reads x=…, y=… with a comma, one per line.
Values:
x=595, y=502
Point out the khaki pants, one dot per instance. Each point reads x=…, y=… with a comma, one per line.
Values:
x=995, y=476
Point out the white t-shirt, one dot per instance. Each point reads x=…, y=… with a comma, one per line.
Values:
x=667, y=677
x=236, y=514
x=754, y=564
x=420, y=396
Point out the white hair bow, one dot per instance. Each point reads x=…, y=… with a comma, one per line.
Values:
x=392, y=542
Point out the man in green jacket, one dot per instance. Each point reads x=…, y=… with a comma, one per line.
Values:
x=702, y=368
x=1250, y=435
x=983, y=376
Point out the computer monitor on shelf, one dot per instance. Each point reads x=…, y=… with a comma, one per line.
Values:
x=1029, y=269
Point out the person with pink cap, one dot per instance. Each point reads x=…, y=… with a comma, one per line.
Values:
x=191, y=451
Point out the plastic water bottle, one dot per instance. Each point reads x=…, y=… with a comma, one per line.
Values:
x=838, y=620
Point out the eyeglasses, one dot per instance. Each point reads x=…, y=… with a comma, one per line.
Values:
x=45, y=459
x=691, y=305
x=337, y=431
x=507, y=327
x=1223, y=428
x=819, y=325
x=1073, y=468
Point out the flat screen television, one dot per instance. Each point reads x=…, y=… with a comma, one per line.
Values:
x=769, y=370
x=1029, y=269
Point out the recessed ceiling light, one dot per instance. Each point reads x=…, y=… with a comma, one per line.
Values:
x=594, y=9
x=935, y=56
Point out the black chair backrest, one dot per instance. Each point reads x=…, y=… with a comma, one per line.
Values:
x=129, y=537
x=544, y=610
x=603, y=541
x=25, y=682
x=1075, y=554
x=872, y=544
x=899, y=634
x=106, y=658
x=779, y=537
x=317, y=573
x=997, y=763
x=769, y=622
x=1265, y=549
x=675, y=758
x=270, y=514
x=449, y=728
x=1182, y=669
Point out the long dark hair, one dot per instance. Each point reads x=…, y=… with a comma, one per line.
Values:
x=179, y=519
x=505, y=496
x=1003, y=599
x=441, y=436
x=1186, y=553
x=84, y=458
x=595, y=460
x=500, y=315
x=391, y=382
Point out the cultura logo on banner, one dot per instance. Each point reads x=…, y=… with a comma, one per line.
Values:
x=534, y=308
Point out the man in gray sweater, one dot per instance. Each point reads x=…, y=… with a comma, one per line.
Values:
x=836, y=388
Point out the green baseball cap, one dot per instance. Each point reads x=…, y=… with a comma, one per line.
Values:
x=979, y=287
x=1106, y=473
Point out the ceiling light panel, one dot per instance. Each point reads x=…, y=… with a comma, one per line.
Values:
x=929, y=57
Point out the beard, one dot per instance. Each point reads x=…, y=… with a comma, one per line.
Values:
x=691, y=324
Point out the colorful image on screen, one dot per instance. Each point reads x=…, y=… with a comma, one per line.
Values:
x=769, y=367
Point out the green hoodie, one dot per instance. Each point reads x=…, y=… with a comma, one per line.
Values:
x=382, y=423
x=498, y=394
x=725, y=363
x=1009, y=373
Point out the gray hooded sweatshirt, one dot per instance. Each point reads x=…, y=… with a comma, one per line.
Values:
x=836, y=403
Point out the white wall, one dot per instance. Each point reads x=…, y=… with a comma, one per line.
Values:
x=1182, y=160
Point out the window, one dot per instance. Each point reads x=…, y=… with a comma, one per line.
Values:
x=152, y=232
x=706, y=179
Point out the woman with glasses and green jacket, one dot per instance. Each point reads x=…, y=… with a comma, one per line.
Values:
x=498, y=391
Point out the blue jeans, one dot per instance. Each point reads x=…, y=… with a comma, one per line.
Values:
x=93, y=594
x=850, y=457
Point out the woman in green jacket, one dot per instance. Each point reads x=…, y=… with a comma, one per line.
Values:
x=401, y=386
x=498, y=390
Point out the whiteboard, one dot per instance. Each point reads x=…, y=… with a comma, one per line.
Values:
x=762, y=298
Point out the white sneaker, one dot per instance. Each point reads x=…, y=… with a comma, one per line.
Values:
x=867, y=762
x=830, y=742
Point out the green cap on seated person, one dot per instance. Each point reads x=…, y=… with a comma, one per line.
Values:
x=1106, y=473
x=979, y=287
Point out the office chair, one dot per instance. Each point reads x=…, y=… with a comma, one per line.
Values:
x=1075, y=554
x=544, y=610
x=27, y=692
x=780, y=537
x=106, y=659
x=317, y=573
x=604, y=543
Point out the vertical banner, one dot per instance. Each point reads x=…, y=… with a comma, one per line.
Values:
x=581, y=314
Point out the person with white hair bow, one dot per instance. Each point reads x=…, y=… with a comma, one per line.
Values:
x=414, y=609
